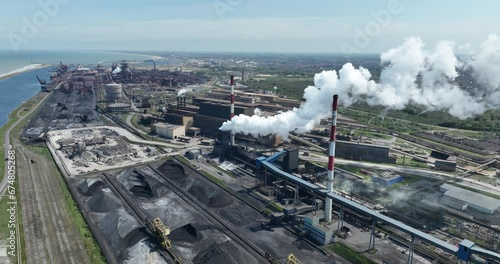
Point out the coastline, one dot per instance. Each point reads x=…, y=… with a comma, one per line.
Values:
x=23, y=70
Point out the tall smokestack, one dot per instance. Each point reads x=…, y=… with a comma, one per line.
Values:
x=331, y=160
x=232, y=108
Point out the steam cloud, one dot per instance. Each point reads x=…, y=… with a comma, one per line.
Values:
x=411, y=74
x=117, y=70
x=181, y=92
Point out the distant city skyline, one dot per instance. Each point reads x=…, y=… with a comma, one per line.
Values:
x=243, y=25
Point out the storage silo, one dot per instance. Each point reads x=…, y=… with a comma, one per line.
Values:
x=114, y=92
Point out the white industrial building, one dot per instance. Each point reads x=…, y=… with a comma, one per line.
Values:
x=169, y=131
x=461, y=199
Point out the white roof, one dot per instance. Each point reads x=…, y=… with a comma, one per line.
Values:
x=471, y=197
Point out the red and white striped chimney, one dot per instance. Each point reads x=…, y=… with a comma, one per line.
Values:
x=331, y=160
x=232, y=109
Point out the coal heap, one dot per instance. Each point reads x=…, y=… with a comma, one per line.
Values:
x=214, y=198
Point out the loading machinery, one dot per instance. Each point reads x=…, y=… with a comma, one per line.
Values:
x=162, y=233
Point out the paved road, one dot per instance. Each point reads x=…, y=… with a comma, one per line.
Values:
x=129, y=123
x=7, y=145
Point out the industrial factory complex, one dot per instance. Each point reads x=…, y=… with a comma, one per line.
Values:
x=142, y=152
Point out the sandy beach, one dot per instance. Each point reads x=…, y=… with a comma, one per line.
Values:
x=31, y=67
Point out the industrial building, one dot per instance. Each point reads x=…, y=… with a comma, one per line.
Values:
x=221, y=110
x=168, y=131
x=457, y=197
x=360, y=151
x=445, y=165
x=386, y=178
x=193, y=154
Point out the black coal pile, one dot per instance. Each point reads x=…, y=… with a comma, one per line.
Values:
x=121, y=231
x=141, y=184
x=226, y=252
x=239, y=216
x=173, y=171
x=214, y=198
x=103, y=201
x=187, y=233
x=89, y=186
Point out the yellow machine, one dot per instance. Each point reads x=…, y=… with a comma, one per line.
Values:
x=162, y=232
x=292, y=259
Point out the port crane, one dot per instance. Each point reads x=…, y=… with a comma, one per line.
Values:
x=43, y=83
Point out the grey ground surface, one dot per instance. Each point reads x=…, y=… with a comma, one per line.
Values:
x=50, y=234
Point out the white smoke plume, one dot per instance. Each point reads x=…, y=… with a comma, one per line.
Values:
x=117, y=70
x=411, y=74
x=181, y=92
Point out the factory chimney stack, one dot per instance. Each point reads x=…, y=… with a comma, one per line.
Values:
x=232, y=109
x=331, y=160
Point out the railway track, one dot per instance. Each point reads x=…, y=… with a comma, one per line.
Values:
x=142, y=214
x=227, y=229
x=422, y=251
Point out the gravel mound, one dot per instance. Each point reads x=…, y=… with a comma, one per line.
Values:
x=214, y=198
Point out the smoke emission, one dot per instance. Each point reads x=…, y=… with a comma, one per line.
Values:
x=181, y=92
x=411, y=74
x=117, y=70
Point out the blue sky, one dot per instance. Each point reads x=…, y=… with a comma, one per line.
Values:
x=244, y=25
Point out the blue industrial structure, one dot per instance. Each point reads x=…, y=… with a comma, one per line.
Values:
x=464, y=252
x=386, y=179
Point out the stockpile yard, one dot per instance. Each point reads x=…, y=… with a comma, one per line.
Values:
x=238, y=216
x=96, y=149
x=208, y=225
x=193, y=235
x=63, y=110
x=124, y=236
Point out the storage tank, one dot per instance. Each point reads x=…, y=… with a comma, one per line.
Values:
x=114, y=92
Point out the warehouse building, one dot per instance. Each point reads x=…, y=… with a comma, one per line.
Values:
x=360, y=151
x=168, y=131
x=460, y=198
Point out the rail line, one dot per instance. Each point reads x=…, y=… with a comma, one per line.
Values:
x=143, y=215
x=227, y=229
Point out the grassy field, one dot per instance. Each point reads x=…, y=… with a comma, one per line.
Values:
x=12, y=119
x=349, y=254
x=361, y=133
x=409, y=161
x=292, y=87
